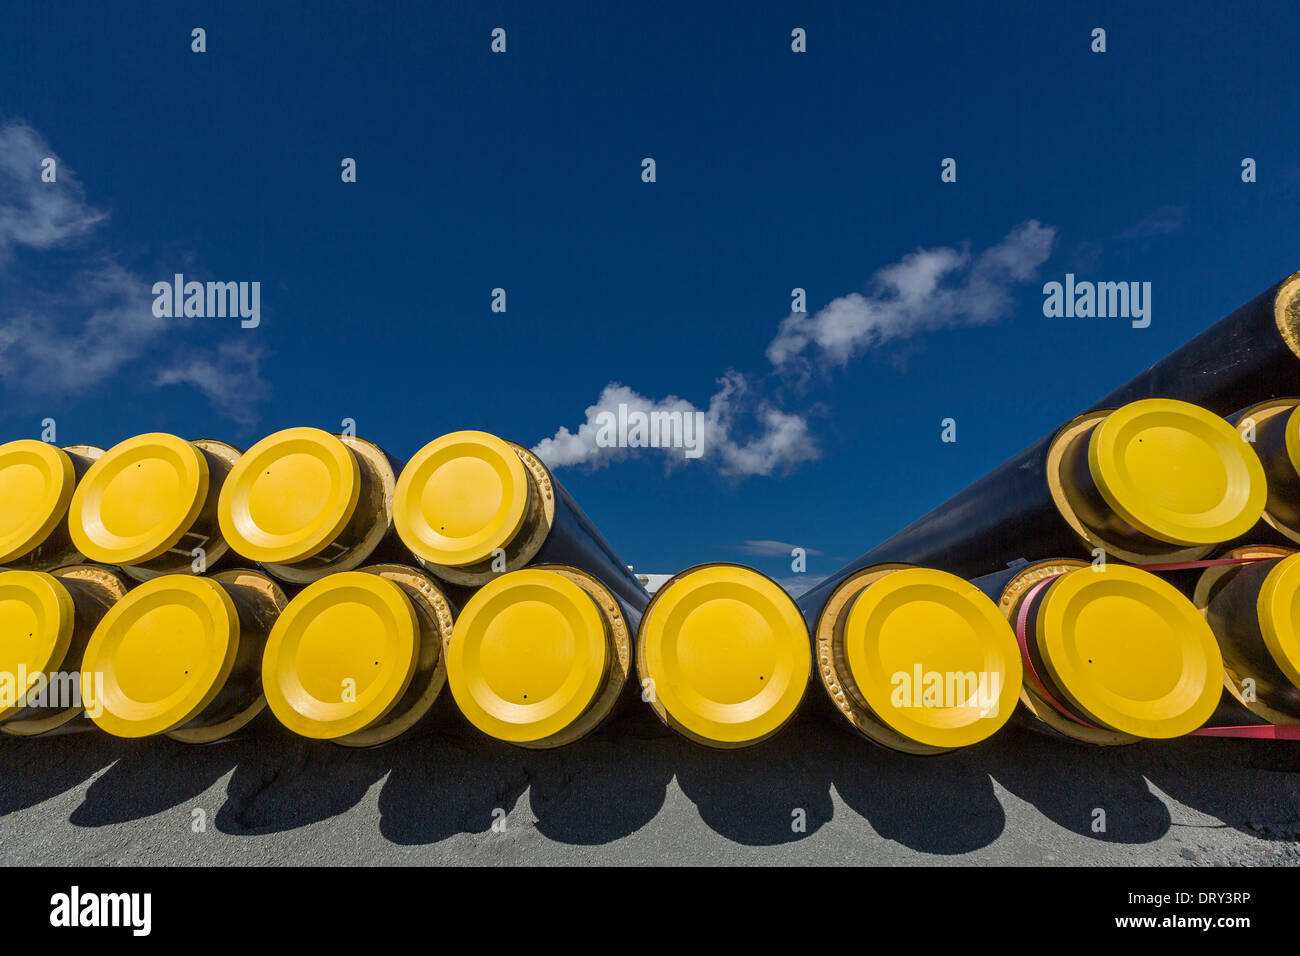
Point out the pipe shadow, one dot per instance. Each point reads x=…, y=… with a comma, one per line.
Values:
x=774, y=792
x=41, y=768
x=1070, y=782
x=601, y=788
x=943, y=804
x=287, y=782
x=151, y=776
x=1254, y=786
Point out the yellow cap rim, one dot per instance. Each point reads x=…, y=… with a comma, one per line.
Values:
x=1278, y=607
x=1130, y=651
x=164, y=652
x=1292, y=437
x=918, y=622
x=166, y=473
x=36, y=484
x=35, y=603
x=460, y=498
x=728, y=652
x=289, y=496
x=1177, y=472
x=528, y=655
x=349, y=626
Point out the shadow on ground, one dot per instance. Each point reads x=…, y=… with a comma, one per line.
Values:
x=450, y=779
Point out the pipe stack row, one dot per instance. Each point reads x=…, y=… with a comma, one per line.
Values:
x=177, y=587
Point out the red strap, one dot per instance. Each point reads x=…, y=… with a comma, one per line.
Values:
x=1255, y=731
x=1022, y=618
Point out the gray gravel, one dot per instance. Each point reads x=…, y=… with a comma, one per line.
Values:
x=634, y=793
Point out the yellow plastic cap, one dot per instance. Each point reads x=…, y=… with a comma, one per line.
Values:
x=136, y=502
x=1292, y=436
x=36, y=481
x=527, y=655
x=460, y=498
x=36, y=621
x=1177, y=472
x=341, y=655
x=164, y=652
x=728, y=652
x=289, y=496
x=933, y=657
x=1129, y=651
x=1279, y=611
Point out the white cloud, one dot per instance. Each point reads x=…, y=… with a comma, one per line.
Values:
x=230, y=377
x=72, y=318
x=741, y=435
x=926, y=290
x=35, y=213
x=773, y=549
x=1162, y=222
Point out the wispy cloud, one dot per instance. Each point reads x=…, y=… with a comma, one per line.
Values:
x=746, y=433
x=773, y=549
x=230, y=377
x=1162, y=222
x=73, y=317
x=927, y=290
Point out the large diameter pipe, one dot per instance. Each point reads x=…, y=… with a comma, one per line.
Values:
x=917, y=660
x=1254, y=611
x=1112, y=654
x=1251, y=355
x=471, y=506
x=303, y=503
x=357, y=657
x=46, y=621
x=37, y=481
x=723, y=656
x=181, y=655
x=149, y=505
x=1154, y=480
x=539, y=657
x=1272, y=428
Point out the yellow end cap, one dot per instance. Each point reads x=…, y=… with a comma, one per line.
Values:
x=36, y=480
x=1177, y=472
x=341, y=655
x=728, y=652
x=1292, y=436
x=460, y=498
x=36, y=621
x=289, y=496
x=527, y=656
x=1130, y=651
x=933, y=657
x=163, y=653
x=136, y=502
x=1279, y=611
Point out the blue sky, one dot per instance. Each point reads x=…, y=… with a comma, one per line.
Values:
x=522, y=170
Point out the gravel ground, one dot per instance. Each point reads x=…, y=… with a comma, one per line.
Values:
x=634, y=793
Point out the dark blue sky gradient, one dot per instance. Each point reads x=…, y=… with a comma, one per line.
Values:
x=775, y=170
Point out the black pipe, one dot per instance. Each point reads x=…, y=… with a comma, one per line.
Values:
x=553, y=530
x=1248, y=357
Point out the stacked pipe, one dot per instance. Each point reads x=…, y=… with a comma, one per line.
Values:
x=1151, y=475
x=191, y=587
